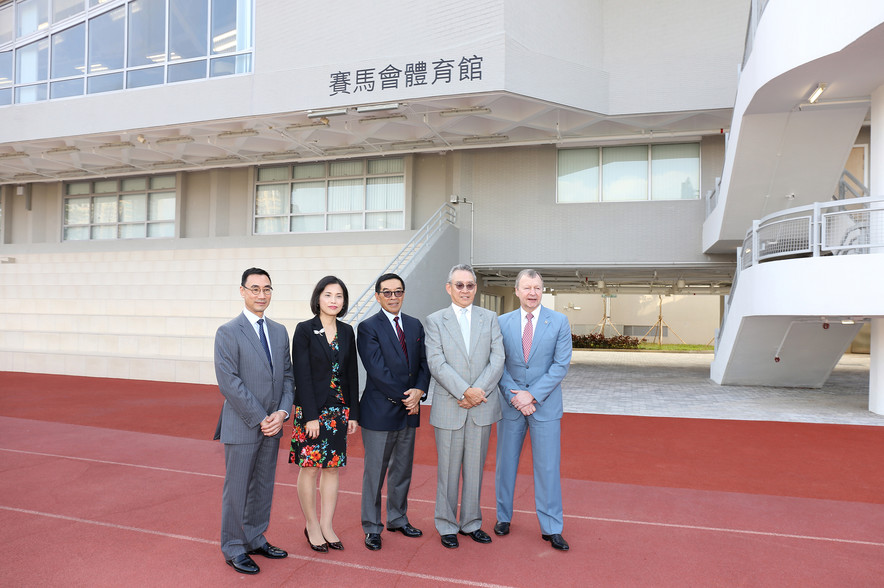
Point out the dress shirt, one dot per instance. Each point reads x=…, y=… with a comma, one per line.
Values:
x=253, y=318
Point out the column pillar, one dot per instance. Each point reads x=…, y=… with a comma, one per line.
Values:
x=876, y=186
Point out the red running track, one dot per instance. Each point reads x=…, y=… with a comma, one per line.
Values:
x=115, y=482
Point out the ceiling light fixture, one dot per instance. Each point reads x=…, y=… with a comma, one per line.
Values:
x=62, y=150
x=14, y=155
x=116, y=168
x=321, y=113
x=485, y=139
x=281, y=155
x=465, y=111
x=141, y=139
x=323, y=122
x=117, y=145
x=237, y=134
x=220, y=160
x=821, y=87
x=172, y=140
x=345, y=149
x=376, y=107
x=413, y=144
x=371, y=119
x=169, y=164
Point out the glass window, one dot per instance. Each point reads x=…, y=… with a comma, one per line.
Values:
x=69, y=52
x=371, y=197
x=147, y=32
x=32, y=62
x=578, y=175
x=635, y=172
x=231, y=26
x=191, y=70
x=148, y=76
x=120, y=209
x=62, y=9
x=31, y=16
x=676, y=172
x=66, y=88
x=625, y=173
x=226, y=66
x=5, y=77
x=105, y=83
x=106, y=41
x=188, y=29
x=6, y=24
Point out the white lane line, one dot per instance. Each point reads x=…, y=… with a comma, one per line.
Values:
x=415, y=575
x=492, y=508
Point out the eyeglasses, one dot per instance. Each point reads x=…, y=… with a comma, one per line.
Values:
x=255, y=290
x=391, y=293
x=469, y=286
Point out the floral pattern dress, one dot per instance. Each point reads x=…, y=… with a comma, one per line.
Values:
x=329, y=449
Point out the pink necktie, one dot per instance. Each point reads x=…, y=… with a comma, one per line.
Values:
x=527, y=335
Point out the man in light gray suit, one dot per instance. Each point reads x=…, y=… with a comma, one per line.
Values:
x=465, y=355
x=253, y=367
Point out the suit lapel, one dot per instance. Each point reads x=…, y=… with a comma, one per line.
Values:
x=453, y=326
x=319, y=332
x=248, y=331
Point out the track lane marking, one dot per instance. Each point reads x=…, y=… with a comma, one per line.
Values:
x=490, y=508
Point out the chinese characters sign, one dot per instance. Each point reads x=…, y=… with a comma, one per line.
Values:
x=420, y=73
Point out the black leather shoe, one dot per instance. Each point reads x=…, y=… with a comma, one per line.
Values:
x=320, y=548
x=243, y=564
x=557, y=541
x=270, y=551
x=479, y=536
x=449, y=541
x=407, y=530
x=501, y=529
x=373, y=541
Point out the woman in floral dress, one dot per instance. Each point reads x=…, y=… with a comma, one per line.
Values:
x=326, y=407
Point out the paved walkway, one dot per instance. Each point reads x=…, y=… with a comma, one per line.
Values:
x=646, y=383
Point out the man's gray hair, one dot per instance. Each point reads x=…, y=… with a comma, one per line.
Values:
x=528, y=273
x=461, y=267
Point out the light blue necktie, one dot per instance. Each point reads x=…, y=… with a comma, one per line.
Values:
x=264, y=341
x=464, y=328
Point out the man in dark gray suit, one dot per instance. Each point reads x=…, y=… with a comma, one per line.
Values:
x=465, y=354
x=253, y=367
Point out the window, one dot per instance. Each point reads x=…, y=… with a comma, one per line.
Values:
x=124, y=208
x=106, y=45
x=351, y=195
x=634, y=172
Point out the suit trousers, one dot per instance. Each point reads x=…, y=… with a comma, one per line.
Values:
x=546, y=452
x=460, y=451
x=247, y=494
x=388, y=454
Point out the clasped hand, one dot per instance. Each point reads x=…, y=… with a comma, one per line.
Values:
x=412, y=400
x=272, y=423
x=523, y=401
x=472, y=397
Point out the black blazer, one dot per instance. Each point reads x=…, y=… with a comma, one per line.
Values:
x=388, y=375
x=312, y=364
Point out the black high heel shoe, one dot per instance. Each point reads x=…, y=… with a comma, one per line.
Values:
x=333, y=544
x=320, y=548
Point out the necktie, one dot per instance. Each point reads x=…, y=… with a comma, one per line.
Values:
x=465, y=328
x=527, y=335
x=401, y=336
x=264, y=341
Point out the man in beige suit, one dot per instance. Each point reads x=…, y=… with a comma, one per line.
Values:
x=465, y=355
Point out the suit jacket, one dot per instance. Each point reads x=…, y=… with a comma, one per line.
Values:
x=548, y=362
x=455, y=370
x=312, y=361
x=251, y=390
x=388, y=374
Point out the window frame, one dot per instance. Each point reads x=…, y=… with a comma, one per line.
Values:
x=648, y=179
x=120, y=193
x=327, y=179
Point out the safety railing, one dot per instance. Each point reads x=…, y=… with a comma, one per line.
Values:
x=422, y=240
x=844, y=227
x=854, y=226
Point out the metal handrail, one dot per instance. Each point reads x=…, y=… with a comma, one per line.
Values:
x=422, y=239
